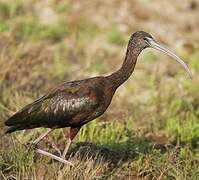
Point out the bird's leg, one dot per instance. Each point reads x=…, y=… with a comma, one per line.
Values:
x=54, y=146
x=47, y=153
x=73, y=133
x=66, y=148
x=36, y=141
x=53, y=156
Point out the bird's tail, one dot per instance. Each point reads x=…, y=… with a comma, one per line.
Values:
x=18, y=121
x=26, y=118
x=3, y=128
x=14, y=128
x=15, y=123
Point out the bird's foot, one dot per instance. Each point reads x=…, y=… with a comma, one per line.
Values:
x=54, y=146
x=30, y=146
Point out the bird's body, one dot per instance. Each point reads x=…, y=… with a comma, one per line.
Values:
x=73, y=104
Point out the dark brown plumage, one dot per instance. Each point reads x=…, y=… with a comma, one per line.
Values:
x=73, y=104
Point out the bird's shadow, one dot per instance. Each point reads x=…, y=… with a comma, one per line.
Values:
x=116, y=154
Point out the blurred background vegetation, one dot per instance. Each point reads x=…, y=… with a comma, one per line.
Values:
x=151, y=129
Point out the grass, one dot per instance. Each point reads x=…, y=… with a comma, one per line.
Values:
x=151, y=129
x=29, y=28
x=116, y=37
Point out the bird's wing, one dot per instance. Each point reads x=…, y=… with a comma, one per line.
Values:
x=57, y=107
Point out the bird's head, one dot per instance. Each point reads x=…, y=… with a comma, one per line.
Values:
x=144, y=40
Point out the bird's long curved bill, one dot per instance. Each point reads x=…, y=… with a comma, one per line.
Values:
x=157, y=46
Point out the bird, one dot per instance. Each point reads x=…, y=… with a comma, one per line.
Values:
x=73, y=104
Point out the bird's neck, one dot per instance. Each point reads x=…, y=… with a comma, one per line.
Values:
x=120, y=76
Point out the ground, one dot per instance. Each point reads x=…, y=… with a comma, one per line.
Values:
x=150, y=130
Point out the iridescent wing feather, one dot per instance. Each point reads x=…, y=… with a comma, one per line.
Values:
x=56, y=109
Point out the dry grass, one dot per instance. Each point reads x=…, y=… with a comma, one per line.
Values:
x=151, y=129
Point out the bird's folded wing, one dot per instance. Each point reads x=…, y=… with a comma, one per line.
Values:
x=57, y=106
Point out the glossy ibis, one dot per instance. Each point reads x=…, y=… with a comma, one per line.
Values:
x=73, y=104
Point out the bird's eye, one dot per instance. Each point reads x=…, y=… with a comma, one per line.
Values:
x=145, y=38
